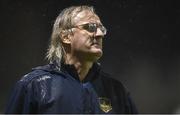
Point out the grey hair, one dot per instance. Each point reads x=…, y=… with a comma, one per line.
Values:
x=62, y=23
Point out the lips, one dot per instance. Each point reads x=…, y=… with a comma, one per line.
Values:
x=95, y=42
x=97, y=45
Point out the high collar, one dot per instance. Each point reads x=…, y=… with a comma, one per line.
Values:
x=71, y=70
x=91, y=75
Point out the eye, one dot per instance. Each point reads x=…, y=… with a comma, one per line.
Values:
x=91, y=27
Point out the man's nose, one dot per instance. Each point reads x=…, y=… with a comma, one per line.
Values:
x=99, y=32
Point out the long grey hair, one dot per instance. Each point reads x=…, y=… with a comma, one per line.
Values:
x=63, y=22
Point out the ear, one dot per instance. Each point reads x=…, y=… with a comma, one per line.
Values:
x=66, y=37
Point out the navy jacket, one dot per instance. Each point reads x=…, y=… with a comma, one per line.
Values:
x=48, y=90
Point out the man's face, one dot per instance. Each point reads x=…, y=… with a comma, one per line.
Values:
x=84, y=44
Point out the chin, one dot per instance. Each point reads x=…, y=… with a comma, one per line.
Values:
x=95, y=56
x=99, y=54
x=97, y=51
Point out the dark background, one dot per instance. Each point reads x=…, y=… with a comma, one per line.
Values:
x=141, y=48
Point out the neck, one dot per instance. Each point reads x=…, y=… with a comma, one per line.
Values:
x=81, y=66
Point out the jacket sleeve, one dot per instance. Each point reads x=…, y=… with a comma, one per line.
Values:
x=20, y=100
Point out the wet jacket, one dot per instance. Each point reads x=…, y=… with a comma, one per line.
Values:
x=49, y=90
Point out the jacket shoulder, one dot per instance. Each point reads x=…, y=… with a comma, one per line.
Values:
x=41, y=73
x=34, y=74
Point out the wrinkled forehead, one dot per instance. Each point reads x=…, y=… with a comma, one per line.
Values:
x=86, y=17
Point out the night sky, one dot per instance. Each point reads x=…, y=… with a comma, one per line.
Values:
x=141, y=48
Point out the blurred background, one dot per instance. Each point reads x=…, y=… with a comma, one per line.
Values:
x=141, y=48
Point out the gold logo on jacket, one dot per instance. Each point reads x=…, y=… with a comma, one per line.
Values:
x=105, y=104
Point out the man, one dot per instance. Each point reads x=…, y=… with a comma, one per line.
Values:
x=73, y=82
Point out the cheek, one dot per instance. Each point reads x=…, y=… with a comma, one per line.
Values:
x=77, y=43
x=80, y=40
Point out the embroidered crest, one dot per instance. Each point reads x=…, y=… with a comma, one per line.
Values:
x=105, y=104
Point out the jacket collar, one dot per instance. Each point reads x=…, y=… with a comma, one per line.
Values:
x=70, y=69
x=92, y=74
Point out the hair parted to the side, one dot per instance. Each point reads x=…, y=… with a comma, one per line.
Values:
x=63, y=23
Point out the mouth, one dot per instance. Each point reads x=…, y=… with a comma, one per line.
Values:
x=97, y=45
